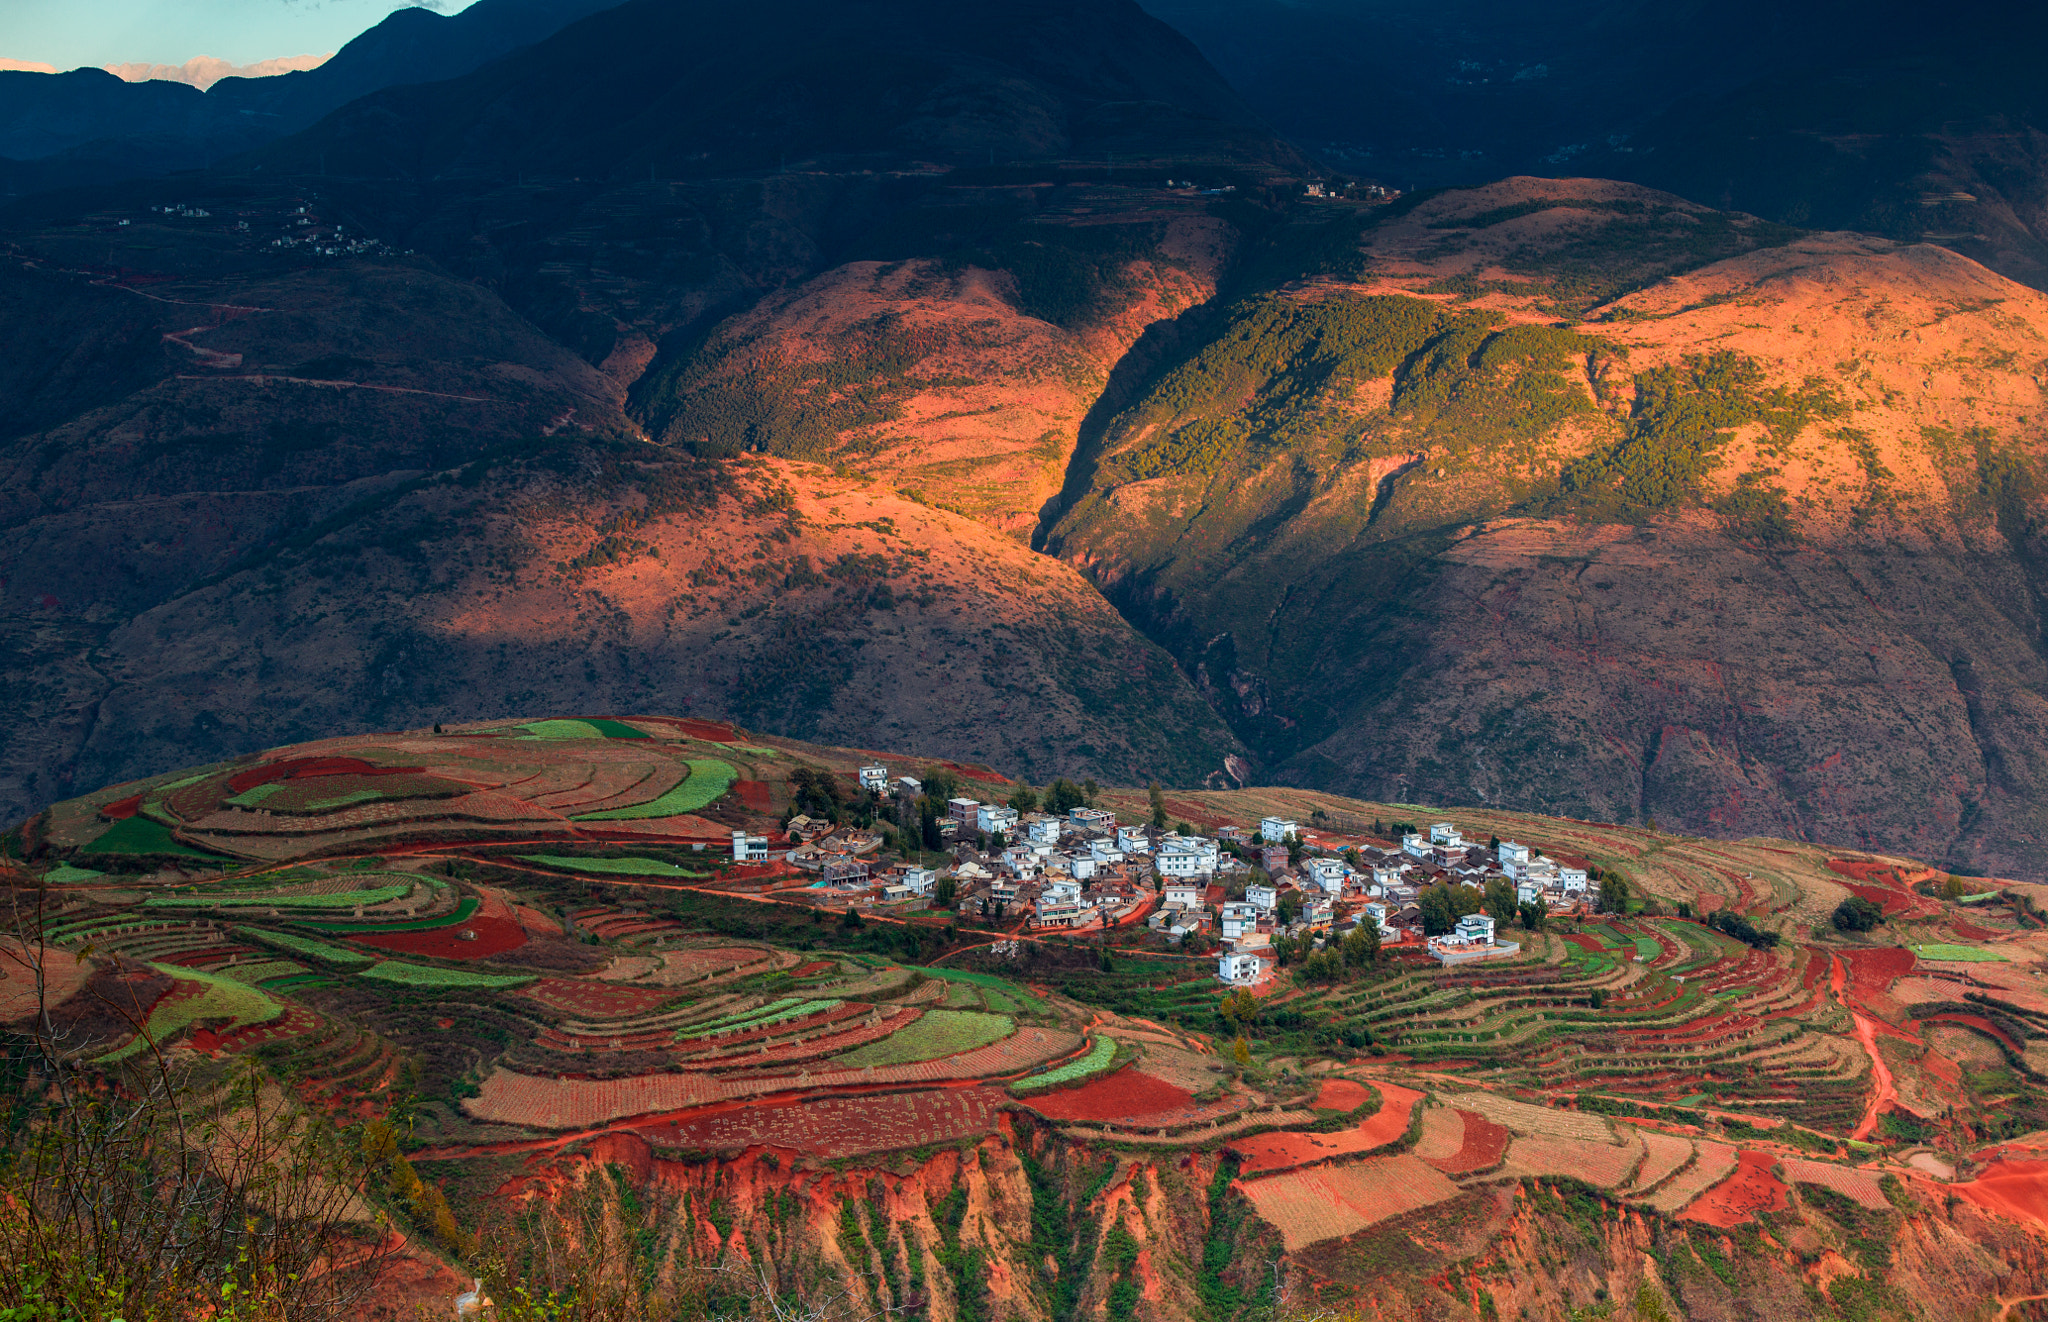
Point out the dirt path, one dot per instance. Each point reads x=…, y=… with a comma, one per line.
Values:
x=1885, y=1093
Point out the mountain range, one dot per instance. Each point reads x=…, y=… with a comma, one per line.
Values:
x=982, y=381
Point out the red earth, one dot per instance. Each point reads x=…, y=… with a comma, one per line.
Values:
x=1737, y=1199
x=2018, y=1189
x=490, y=936
x=709, y=731
x=1125, y=1095
x=1872, y=971
x=299, y=768
x=839, y=1126
x=1485, y=1144
x=1971, y=932
x=1978, y=1022
x=600, y=1000
x=122, y=809
x=1272, y=1152
x=755, y=794
x=1342, y=1095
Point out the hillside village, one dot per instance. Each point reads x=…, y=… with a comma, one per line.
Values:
x=1258, y=897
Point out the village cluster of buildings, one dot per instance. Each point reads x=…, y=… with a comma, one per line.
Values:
x=1083, y=871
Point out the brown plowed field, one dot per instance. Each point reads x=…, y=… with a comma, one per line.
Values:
x=1737, y=1199
x=1275, y=1152
x=596, y=1000
x=1483, y=1147
x=1859, y=1186
x=1604, y=1164
x=1308, y=1206
x=840, y=1126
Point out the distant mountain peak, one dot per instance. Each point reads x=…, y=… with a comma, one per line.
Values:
x=203, y=71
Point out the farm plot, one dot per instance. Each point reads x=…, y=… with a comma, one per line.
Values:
x=1919, y=991
x=319, y=951
x=1097, y=1060
x=1749, y=1190
x=1482, y=1145
x=1535, y=1121
x=1663, y=1155
x=143, y=835
x=427, y=975
x=624, y=867
x=1128, y=1097
x=587, y=999
x=1604, y=1164
x=63, y=975
x=674, y=968
x=1711, y=1163
x=477, y=930
x=1859, y=1186
x=1342, y=1095
x=709, y=778
x=308, y=899
x=840, y=1126
x=1958, y=954
x=996, y=991
x=1274, y=1152
x=197, y=997
x=935, y=1034
x=1310, y=1206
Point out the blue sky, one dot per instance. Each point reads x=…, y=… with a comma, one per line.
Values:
x=71, y=33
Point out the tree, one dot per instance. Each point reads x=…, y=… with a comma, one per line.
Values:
x=928, y=823
x=943, y=892
x=1293, y=849
x=998, y=842
x=1091, y=789
x=1500, y=900
x=1289, y=906
x=1025, y=799
x=939, y=783
x=1532, y=914
x=1063, y=796
x=1953, y=889
x=814, y=792
x=1324, y=966
x=1241, y=1052
x=1857, y=914
x=1158, y=798
x=1614, y=891
x=1442, y=906
x=1183, y=828
x=1362, y=947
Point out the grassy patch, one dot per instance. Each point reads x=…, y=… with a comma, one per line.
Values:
x=219, y=998
x=426, y=975
x=1098, y=1059
x=938, y=1033
x=318, y=951
x=141, y=835
x=993, y=988
x=709, y=778
x=1970, y=954
x=562, y=730
x=462, y=913
x=338, y=900
x=262, y=971
x=631, y=867
x=64, y=873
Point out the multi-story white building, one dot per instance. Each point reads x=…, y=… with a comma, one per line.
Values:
x=1328, y=873
x=1510, y=852
x=1183, y=895
x=1237, y=918
x=874, y=776
x=1275, y=830
x=920, y=880
x=1572, y=880
x=1041, y=829
x=749, y=848
x=1240, y=969
x=1443, y=833
x=994, y=817
x=1133, y=840
x=1095, y=819
x=1179, y=857
x=1263, y=898
x=1415, y=846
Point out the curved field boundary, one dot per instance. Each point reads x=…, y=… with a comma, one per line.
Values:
x=1481, y=1144
x=1329, y=1201
x=839, y=1126
x=708, y=780
x=1859, y=1186
x=334, y=900
x=1664, y=1156
x=213, y=997
x=1607, y=1165
x=1389, y=1124
x=1711, y=1163
x=1095, y=1062
x=1525, y=1118
x=426, y=975
x=460, y=914
x=306, y=948
x=552, y=1103
x=936, y=1035
x=629, y=867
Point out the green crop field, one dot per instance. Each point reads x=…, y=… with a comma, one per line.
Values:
x=1969, y=954
x=426, y=975
x=938, y=1033
x=461, y=913
x=630, y=867
x=1002, y=989
x=310, y=949
x=143, y=835
x=64, y=873
x=1095, y=1062
x=598, y=728
x=262, y=971
x=339, y=900
x=709, y=778
x=759, y=1019
x=221, y=998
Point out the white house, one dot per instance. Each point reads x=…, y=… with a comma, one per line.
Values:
x=1239, y=970
x=1443, y=833
x=1062, y=890
x=994, y=817
x=1264, y=898
x=1185, y=858
x=909, y=787
x=1237, y=918
x=1183, y=895
x=1528, y=891
x=1510, y=852
x=1377, y=913
x=1083, y=866
x=1328, y=873
x=749, y=848
x=1098, y=819
x=1133, y=840
x=1319, y=914
x=875, y=777
x=1415, y=846
x=1042, y=830
x=1275, y=830
x=920, y=880
x=1061, y=913
x=1571, y=879
x=1103, y=851
x=1471, y=939
x=1474, y=929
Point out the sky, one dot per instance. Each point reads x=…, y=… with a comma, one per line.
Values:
x=74, y=33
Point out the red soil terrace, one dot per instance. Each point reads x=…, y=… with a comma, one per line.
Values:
x=1737, y=1199
x=1486, y=1143
x=301, y=768
x=1272, y=1152
x=1126, y=1096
